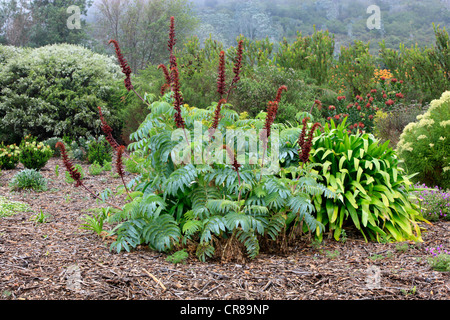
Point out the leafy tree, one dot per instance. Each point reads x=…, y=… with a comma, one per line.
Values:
x=140, y=26
x=49, y=22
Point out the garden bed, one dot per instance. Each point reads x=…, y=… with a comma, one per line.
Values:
x=57, y=260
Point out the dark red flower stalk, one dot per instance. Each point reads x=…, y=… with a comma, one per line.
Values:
x=280, y=90
x=236, y=165
x=305, y=147
x=107, y=130
x=123, y=64
x=272, y=109
x=237, y=67
x=216, y=118
x=171, y=45
x=74, y=173
x=221, y=74
x=119, y=166
x=178, y=99
x=166, y=76
x=301, y=138
x=172, y=39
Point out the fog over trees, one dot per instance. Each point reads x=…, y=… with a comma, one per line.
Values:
x=141, y=25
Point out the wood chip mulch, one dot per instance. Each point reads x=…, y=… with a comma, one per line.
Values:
x=59, y=261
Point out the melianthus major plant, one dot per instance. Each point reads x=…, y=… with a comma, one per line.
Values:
x=201, y=183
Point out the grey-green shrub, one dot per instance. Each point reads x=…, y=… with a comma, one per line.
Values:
x=55, y=91
x=28, y=179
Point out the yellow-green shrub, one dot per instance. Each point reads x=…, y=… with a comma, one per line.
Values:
x=425, y=144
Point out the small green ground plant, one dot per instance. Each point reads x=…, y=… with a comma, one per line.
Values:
x=9, y=208
x=28, y=179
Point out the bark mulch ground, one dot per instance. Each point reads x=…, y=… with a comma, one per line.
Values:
x=57, y=260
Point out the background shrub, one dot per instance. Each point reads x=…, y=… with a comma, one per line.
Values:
x=425, y=144
x=99, y=150
x=33, y=154
x=9, y=156
x=28, y=179
x=51, y=142
x=425, y=69
x=55, y=90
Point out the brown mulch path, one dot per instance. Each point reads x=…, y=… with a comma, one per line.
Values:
x=42, y=261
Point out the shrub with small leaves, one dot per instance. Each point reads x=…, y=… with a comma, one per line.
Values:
x=9, y=156
x=28, y=179
x=51, y=142
x=34, y=155
x=425, y=144
x=99, y=150
x=95, y=169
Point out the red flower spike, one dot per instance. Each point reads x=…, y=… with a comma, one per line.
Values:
x=280, y=90
x=236, y=165
x=172, y=39
x=107, y=130
x=216, y=119
x=305, y=146
x=238, y=63
x=178, y=99
x=221, y=74
x=123, y=64
x=272, y=109
x=74, y=173
x=119, y=164
x=166, y=76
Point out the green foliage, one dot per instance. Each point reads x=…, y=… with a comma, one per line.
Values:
x=95, y=169
x=28, y=179
x=9, y=156
x=9, y=208
x=99, y=150
x=51, y=142
x=314, y=54
x=34, y=155
x=203, y=203
x=95, y=222
x=359, y=111
x=78, y=149
x=40, y=22
x=425, y=144
x=371, y=190
x=426, y=70
x=355, y=68
x=178, y=257
x=41, y=217
x=440, y=262
x=55, y=90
